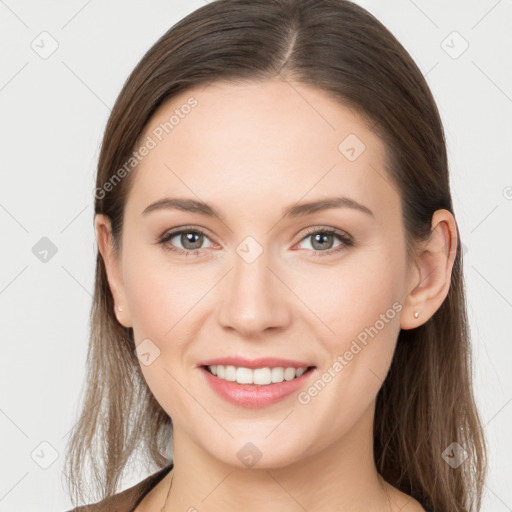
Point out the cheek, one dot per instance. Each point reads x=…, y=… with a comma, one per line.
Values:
x=161, y=300
x=159, y=294
x=355, y=293
x=164, y=302
x=360, y=302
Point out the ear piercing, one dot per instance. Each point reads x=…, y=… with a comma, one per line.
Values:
x=416, y=314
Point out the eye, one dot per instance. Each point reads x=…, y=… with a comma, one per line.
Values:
x=190, y=239
x=322, y=240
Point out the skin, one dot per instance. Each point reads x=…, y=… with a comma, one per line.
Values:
x=252, y=150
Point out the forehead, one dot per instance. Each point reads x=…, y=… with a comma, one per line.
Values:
x=246, y=144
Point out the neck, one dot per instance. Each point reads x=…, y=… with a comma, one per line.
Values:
x=341, y=476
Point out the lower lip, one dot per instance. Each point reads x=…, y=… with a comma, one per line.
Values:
x=254, y=396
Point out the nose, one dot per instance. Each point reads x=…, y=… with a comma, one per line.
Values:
x=254, y=298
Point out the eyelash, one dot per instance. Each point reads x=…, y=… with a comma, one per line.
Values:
x=346, y=240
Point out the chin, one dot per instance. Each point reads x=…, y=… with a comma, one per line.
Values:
x=258, y=452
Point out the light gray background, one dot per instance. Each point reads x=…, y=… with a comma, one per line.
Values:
x=53, y=113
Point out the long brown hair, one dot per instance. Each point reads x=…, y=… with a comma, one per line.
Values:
x=426, y=402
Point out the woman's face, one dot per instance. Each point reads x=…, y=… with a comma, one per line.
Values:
x=259, y=283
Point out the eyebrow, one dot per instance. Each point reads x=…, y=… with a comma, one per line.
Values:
x=296, y=210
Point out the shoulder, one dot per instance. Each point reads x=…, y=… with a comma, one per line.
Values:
x=402, y=502
x=127, y=500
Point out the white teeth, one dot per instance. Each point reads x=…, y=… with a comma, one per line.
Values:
x=299, y=372
x=289, y=373
x=230, y=373
x=277, y=374
x=258, y=376
x=262, y=376
x=244, y=376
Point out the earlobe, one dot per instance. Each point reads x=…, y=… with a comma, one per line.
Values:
x=113, y=268
x=434, y=263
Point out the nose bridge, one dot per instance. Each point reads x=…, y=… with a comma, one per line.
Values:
x=254, y=298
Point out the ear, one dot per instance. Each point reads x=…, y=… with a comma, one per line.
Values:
x=430, y=281
x=113, y=268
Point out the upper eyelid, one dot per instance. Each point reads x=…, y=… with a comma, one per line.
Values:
x=186, y=229
x=322, y=229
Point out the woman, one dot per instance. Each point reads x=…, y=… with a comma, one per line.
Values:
x=286, y=375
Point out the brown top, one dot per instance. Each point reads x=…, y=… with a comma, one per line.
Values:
x=127, y=500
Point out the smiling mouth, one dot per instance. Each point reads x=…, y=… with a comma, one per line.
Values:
x=258, y=376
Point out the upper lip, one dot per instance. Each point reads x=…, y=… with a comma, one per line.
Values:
x=262, y=362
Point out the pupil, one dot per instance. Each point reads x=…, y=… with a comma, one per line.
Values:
x=188, y=238
x=320, y=237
